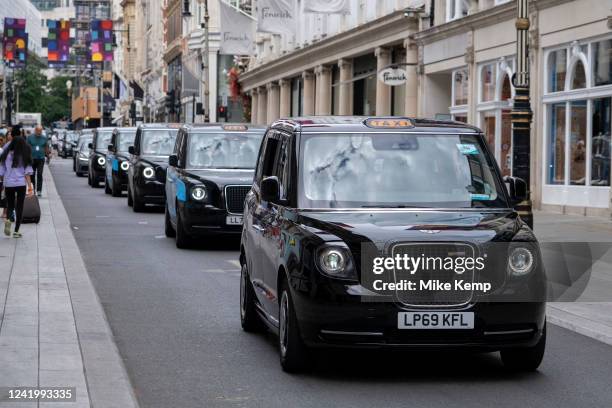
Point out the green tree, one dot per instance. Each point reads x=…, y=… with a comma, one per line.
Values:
x=36, y=94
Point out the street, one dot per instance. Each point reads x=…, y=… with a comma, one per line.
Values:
x=175, y=318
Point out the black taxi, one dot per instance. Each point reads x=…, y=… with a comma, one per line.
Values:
x=118, y=160
x=389, y=232
x=149, y=159
x=210, y=173
x=97, y=159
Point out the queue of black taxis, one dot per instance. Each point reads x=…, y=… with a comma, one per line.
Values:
x=96, y=169
x=330, y=192
x=118, y=160
x=209, y=175
x=153, y=145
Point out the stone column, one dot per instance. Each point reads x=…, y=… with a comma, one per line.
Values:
x=323, y=95
x=309, y=93
x=412, y=80
x=273, y=102
x=254, y=100
x=285, y=98
x=262, y=116
x=383, y=92
x=345, y=88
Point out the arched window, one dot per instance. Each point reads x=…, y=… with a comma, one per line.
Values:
x=557, y=70
x=579, y=79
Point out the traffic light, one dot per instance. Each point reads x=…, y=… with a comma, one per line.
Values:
x=222, y=112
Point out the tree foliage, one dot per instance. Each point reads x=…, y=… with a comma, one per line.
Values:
x=37, y=94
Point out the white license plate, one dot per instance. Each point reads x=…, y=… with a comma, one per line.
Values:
x=435, y=320
x=233, y=220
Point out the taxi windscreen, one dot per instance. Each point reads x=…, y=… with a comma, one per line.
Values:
x=223, y=150
x=103, y=140
x=126, y=139
x=397, y=170
x=158, y=142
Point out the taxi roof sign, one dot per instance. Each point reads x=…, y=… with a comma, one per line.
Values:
x=389, y=123
x=235, y=128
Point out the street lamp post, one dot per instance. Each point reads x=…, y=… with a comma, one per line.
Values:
x=521, y=112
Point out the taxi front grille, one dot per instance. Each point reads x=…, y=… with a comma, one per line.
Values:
x=234, y=198
x=428, y=296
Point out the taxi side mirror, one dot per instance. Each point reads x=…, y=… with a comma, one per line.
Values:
x=131, y=150
x=517, y=189
x=270, y=189
x=173, y=160
x=90, y=145
x=111, y=148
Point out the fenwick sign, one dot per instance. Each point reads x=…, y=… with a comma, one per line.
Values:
x=393, y=75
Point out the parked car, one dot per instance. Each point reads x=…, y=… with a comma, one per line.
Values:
x=149, y=159
x=208, y=177
x=96, y=171
x=118, y=161
x=68, y=144
x=333, y=196
x=80, y=158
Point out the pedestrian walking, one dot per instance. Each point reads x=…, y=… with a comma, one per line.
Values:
x=16, y=171
x=8, y=137
x=39, y=144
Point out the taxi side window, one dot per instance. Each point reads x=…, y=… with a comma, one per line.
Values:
x=260, y=159
x=269, y=158
x=281, y=166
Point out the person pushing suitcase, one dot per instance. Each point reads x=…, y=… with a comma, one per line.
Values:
x=16, y=171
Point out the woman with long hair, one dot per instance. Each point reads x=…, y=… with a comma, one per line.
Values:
x=15, y=170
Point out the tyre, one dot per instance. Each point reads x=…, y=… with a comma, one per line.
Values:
x=129, y=197
x=249, y=319
x=88, y=179
x=168, y=228
x=138, y=205
x=525, y=359
x=107, y=189
x=293, y=351
x=116, y=188
x=183, y=240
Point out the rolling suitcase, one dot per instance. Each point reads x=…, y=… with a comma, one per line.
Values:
x=31, y=210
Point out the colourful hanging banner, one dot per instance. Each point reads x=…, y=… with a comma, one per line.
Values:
x=15, y=42
x=101, y=40
x=58, y=42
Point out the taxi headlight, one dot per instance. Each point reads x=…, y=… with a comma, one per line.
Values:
x=521, y=260
x=125, y=166
x=148, y=172
x=101, y=161
x=199, y=193
x=335, y=260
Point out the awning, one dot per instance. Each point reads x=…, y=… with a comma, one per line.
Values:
x=137, y=89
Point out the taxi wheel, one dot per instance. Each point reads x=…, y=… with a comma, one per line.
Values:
x=94, y=183
x=138, y=205
x=168, y=228
x=525, y=359
x=116, y=189
x=293, y=351
x=183, y=241
x=107, y=189
x=88, y=179
x=129, y=197
x=249, y=319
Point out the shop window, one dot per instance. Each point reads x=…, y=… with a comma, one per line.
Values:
x=488, y=75
x=602, y=63
x=601, y=142
x=488, y=127
x=556, y=151
x=579, y=80
x=578, y=135
x=557, y=68
x=460, y=87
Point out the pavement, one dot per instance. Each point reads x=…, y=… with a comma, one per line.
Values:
x=175, y=319
x=591, y=314
x=53, y=330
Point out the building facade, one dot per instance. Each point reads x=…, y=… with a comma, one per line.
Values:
x=459, y=57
